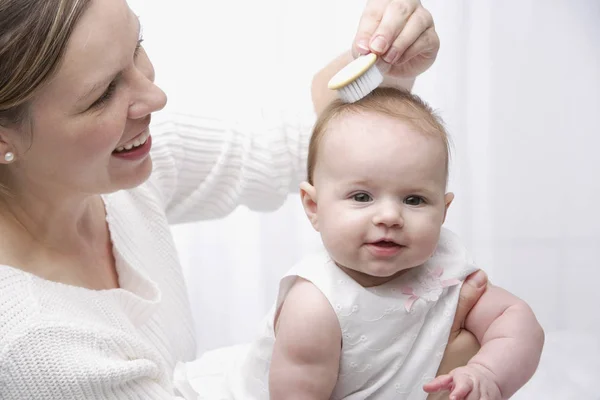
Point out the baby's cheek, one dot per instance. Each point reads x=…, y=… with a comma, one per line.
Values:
x=427, y=237
x=336, y=240
x=339, y=241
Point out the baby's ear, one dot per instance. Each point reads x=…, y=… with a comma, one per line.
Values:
x=448, y=198
x=308, y=194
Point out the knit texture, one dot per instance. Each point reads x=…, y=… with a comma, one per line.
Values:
x=64, y=342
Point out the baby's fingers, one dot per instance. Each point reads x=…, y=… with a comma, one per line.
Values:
x=442, y=382
x=463, y=385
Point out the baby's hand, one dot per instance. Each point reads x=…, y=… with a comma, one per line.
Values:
x=473, y=382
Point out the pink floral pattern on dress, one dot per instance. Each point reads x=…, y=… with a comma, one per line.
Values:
x=428, y=287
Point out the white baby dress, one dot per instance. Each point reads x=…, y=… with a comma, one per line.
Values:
x=393, y=335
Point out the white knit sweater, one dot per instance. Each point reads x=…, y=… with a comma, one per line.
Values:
x=64, y=342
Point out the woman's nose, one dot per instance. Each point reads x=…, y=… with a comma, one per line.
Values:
x=150, y=100
x=147, y=97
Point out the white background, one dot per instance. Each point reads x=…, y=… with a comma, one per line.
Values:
x=518, y=84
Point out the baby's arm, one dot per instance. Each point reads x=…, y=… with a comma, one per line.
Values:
x=511, y=345
x=306, y=355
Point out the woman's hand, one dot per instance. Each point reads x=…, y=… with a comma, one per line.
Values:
x=462, y=344
x=402, y=33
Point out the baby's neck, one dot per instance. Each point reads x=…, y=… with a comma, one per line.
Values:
x=368, y=281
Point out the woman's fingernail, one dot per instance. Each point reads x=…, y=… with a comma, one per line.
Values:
x=363, y=46
x=480, y=278
x=379, y=44
x=390, y=56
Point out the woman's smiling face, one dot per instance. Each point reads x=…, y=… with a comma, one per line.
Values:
x=97, y=105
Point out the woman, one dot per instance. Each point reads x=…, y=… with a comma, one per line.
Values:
x=92, y=300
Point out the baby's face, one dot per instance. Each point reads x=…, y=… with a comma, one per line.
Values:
x=381, y=201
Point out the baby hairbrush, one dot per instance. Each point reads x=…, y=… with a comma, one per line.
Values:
x=357, y=79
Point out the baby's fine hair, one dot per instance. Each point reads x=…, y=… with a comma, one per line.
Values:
x=392, y=102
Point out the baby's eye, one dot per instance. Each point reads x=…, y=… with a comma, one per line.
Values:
x=362, y=197
x=414, y=200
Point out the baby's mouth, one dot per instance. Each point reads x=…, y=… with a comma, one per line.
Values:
x=386, y=243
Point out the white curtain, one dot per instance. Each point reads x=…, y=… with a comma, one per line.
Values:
x=518, y=84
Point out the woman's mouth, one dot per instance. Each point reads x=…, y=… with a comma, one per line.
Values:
x=134, y=143
x=136, y=149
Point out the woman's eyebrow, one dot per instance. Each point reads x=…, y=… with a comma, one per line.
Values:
x=104, y=82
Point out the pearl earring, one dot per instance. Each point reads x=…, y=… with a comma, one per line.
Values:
x=9, y=157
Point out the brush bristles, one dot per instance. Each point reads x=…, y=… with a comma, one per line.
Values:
x=362, y=86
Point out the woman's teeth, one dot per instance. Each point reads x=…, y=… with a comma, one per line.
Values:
x=134, y=143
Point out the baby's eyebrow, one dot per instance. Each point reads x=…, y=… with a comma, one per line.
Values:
x=358, y=182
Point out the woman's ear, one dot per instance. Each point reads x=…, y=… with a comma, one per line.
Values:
x=7, y=152
x=448, y=198
x=308, y=194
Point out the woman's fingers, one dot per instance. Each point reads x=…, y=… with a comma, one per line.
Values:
x=427, y=43
x=472, y=289
x=369, y=21
x=402, y=33
x=382, y=23
x=416, y=34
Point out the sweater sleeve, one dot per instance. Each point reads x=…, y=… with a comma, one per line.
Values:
x=205, y=168
x=69, y=363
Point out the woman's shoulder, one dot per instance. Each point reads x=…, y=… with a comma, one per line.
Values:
x=18, y=302
x=43, y=316
x=33, y=309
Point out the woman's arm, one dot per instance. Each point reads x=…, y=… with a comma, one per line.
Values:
x=205, y=168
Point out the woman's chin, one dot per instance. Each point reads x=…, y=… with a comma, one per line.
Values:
x=135, y=176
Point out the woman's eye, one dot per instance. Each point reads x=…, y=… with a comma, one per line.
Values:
x=138, y=48
x=362, y=197
x=106, y=96
x=414, y=200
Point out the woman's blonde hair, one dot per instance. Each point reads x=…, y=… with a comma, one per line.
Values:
x=387, y=101
x=33, y=40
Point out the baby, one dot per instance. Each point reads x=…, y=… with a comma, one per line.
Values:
x=369, y=317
